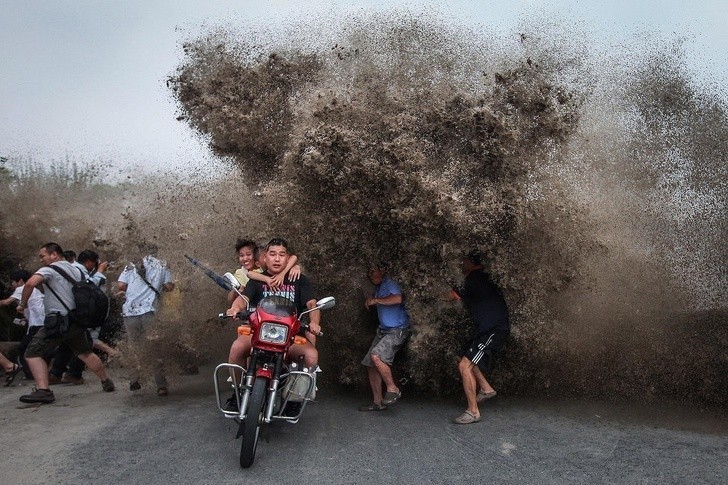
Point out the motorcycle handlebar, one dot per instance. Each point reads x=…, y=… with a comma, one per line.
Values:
x=240, y=315
x=305, y=327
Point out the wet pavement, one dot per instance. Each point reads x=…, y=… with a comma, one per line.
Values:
x=88, y=435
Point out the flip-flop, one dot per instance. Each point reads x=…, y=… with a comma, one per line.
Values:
x=12, y=374
x=373, y=407
x=482, y=396
x=391, y=397
x=467, y=418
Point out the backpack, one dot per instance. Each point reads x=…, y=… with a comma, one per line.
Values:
x=92, y=304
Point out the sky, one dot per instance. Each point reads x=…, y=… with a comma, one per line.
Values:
x=85, y=80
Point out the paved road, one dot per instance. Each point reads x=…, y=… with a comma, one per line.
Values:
x=123, y=438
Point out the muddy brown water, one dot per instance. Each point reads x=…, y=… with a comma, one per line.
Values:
x=593, y=181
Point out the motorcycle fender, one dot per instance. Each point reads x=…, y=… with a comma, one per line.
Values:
x=266, y=373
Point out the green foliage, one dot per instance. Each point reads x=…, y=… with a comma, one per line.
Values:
x=64, y=174
x=41, y=202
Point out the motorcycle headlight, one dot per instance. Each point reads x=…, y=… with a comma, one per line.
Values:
x=273, y=333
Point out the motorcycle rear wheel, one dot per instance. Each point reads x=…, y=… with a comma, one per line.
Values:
x=253, y=420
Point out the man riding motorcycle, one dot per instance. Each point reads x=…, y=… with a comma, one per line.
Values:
x=300, y=292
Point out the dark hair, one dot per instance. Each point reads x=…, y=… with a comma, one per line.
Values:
x=382, y=266
x=87, y=255
x=52, y=247
x=19, y=274
x=475, y=257
x=277, y=241
x=243, y=243
x=148, y=247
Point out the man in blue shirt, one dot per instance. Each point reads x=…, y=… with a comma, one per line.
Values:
x=392, y=333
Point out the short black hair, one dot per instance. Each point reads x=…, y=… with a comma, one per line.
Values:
x=277, y=241
x=475, y=256
x=243, y=243
x=382, y=266
x=19, y=274
x=52, y=247
x=88, y=255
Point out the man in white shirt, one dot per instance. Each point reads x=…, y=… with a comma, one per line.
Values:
x=142, y=283
x=57, y=328
x=89, y=262
x=66, y=368
x=33, y=315
x=35, y=311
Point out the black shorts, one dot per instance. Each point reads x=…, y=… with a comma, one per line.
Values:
x=480, y=350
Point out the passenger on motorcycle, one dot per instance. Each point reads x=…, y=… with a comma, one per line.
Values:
x=248, y=256
x=300, y=292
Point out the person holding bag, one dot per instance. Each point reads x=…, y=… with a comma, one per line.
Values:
x=57, y=327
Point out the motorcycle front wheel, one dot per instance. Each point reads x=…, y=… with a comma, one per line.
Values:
x=253, y=420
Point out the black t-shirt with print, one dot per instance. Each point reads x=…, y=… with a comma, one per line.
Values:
x=299, y=292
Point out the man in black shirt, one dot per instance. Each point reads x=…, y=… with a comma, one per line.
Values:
x=486, y=305
x=300, y=292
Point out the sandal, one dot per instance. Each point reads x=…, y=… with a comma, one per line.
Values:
x=12, y=375
x=391, y=397
x=467, y=418
x=482, y=396
x=373, y=407
x=162, y=391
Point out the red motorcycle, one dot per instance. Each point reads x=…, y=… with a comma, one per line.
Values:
x=272, y=388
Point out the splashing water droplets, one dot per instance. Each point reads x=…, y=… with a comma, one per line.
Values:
x=401, y=137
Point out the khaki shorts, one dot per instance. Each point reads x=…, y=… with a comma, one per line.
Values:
x=75, y=337
x=386, y=344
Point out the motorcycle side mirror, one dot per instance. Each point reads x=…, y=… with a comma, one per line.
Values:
x=322, y=304
x=326, y=303
x=232, y=280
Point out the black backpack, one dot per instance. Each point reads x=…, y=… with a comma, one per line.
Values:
x=92, y=304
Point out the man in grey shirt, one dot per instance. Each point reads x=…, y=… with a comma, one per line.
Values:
x=58, y=300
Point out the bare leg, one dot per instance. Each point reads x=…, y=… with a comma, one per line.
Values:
x=94, y=364
x=469, y=385
x=309, y=352
x=240, y=350
x=8, y=366
x=311, y=338
x=375, y=381
x=483, y=384
x=39, y=368
x=104, y=347
x=385, y=372
x=239, y=353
